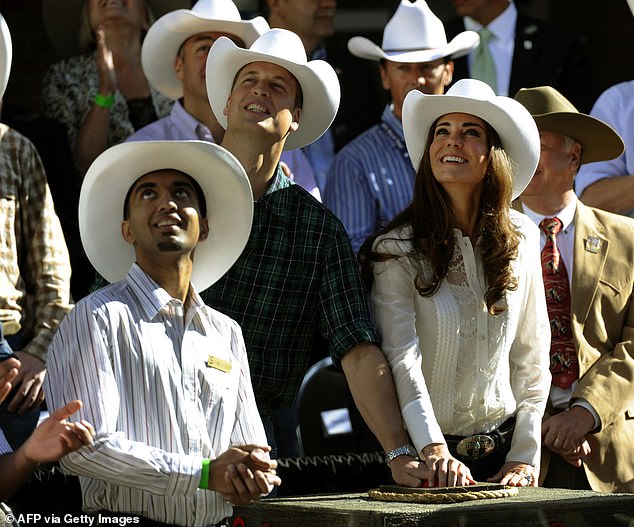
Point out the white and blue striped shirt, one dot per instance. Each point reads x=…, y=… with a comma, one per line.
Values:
x=138, y=359
x=371, y=180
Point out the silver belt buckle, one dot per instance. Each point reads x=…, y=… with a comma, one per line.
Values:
x=476, y=446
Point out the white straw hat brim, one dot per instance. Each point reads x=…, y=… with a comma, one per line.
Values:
x=221, y=177
x=167, y=34
x=513, y=123
x=460, y=45
x=6, y=55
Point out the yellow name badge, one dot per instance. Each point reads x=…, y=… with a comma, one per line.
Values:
x=219, y=364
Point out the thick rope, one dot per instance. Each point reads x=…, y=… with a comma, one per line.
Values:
x=448, y=497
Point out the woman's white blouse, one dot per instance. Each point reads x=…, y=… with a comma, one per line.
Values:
x=457, y=369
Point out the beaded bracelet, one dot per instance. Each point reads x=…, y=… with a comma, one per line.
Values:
x=204, y=475
x=105, y=101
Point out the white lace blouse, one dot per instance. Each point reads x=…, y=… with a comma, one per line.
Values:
x=457, y=369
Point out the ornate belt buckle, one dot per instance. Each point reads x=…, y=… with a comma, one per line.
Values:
x=476, y=446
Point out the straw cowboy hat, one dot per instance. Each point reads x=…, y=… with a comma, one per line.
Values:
x=167, y=34
x=62, y=19
x=221, y=177
x=515, y=126
x=554, y=113
x=316, y=78
x=6, y=55
x=414, y=34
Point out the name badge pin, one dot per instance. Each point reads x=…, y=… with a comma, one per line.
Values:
x=593, y=244
x=219, y=364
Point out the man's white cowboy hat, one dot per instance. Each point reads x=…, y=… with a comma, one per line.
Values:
x=221, y=177
x=62, y=19
x=513, y=123
x=167, y=34
x=414, y=34
x=316, y=78
x=6, y=55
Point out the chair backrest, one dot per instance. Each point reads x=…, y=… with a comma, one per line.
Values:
x=328, y=419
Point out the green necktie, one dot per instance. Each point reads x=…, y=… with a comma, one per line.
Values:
x=482, y=66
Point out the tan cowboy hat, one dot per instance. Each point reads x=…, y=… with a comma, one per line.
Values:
x=221, y=177
x=62, y=19
x=167, y=34
x=316, y=78
x=554, y=113
x=6, y=55
x=414, y=34
x=512, y=122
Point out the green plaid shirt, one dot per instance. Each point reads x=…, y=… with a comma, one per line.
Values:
x=296, y=279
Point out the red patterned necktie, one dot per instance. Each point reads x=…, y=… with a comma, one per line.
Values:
x=563, y=357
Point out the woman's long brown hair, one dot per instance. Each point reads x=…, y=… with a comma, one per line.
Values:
x=431, y=220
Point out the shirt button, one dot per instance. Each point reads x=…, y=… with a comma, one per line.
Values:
x=482, y=370
x=481, y=337
x=481, y=401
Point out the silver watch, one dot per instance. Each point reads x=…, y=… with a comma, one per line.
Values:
x=405, y=450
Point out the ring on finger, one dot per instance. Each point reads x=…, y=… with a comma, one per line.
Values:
x=557, y=442
x=528, y=478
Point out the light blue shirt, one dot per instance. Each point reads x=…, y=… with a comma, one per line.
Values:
x=180, y=125
x=372, y=179
x=615, y=106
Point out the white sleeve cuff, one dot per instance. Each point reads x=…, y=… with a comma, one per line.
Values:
x=421, y=424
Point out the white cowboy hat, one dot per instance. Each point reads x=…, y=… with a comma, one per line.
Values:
x=62, y=20
x=167, y=34
x=316, y=78
x=513, y=123
x=414, y=34
x=221, y=177
x=6, y=55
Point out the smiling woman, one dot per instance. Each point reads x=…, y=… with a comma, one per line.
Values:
x=457, y=290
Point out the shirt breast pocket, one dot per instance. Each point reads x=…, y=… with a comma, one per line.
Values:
x=219, y=385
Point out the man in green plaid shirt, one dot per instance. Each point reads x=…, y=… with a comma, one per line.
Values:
x=297, y=279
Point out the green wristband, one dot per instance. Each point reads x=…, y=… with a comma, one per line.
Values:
x=105, y=101
x=204, y=475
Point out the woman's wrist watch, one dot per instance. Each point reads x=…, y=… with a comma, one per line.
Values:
x=405, y=450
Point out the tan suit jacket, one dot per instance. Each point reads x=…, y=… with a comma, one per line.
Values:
x=602, y=299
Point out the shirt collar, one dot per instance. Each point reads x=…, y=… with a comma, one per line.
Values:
x=392, y=121
x=502, y=27
x=566, y=215
x=278, y=182
x=185, y=122
x=152, y=297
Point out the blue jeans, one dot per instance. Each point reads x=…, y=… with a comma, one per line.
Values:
x=16, y=428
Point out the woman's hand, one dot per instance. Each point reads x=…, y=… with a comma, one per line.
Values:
x=105, y=64
x=447, y=471
x=516, y=474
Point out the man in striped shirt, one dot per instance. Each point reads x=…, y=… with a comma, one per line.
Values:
x=164, y=379
x=372, y=177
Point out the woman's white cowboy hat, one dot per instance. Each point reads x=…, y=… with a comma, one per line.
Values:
x=414, y=34
x=513, y=123
x=167, y=34
x=554, y=113
x=6, y=55
x=62, y=19
x=316, y=78
x=221, y=177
